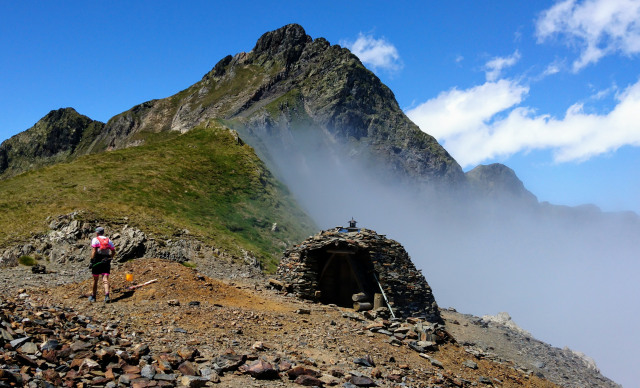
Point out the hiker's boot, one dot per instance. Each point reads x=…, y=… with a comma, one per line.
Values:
x=92, y=298
x=107, y=299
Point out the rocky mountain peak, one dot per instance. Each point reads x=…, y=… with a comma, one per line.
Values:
x=60, y=114
x=288, y=41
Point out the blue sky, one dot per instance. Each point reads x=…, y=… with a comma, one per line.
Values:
x=549, y=88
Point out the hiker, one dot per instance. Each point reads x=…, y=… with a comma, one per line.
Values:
x=102, y=251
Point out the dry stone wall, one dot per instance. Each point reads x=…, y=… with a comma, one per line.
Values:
x=405, y=287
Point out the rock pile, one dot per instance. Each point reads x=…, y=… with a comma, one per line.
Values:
x=417, y=334
x=57, y=346
x=405, y=288
x=420, y=336
x=53, y=346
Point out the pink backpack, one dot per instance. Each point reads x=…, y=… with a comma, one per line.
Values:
x=104, y=247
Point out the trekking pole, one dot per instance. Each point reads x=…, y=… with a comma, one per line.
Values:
x=384, y=295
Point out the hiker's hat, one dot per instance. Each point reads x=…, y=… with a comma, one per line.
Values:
x=100, y=230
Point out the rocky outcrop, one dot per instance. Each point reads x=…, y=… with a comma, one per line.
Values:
x=286, y=44
x=54, y=138
x=504, y=319
x=68, y=240
x=69, y=236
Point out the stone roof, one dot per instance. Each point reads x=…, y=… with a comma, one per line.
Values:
x=339, y=261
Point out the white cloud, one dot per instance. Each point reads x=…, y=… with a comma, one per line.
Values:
x=553, y=68
x=597, y=27
x=494, y=67
x=458, y=113
x=604, y=93
x=485, y=122
x=377, y=53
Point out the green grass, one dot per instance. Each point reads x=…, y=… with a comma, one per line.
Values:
x=27, y=260
x=202, y=181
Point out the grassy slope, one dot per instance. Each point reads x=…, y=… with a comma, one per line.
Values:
x=203, y=181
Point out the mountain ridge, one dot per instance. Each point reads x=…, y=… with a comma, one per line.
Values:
x=298, y=88
x=269, y=104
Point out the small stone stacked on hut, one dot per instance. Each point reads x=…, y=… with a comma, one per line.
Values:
x=340, y=265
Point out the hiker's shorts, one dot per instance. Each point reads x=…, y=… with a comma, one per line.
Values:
x=104, y=268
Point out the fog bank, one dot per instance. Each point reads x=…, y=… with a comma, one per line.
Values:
x=565, y=275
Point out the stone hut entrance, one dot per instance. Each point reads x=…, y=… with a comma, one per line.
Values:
x=344, y=272
x=352, y=267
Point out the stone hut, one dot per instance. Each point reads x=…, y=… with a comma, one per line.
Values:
x=346, y=265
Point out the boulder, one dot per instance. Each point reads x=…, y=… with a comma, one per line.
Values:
x=261, y=370
x=362, y=381
x=227, y=362
x=309, y=381
x=193, y=381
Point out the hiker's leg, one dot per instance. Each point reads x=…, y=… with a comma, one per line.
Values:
x=105, y=281
x=95, y=285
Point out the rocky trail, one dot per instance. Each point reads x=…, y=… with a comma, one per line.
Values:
x=188, y=329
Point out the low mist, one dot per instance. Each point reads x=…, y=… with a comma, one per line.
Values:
x=566, y=276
